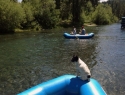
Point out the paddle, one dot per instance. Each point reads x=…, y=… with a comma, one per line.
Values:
x=76, y=36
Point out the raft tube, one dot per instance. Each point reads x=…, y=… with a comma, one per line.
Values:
x=86, y=36
x=66, y=85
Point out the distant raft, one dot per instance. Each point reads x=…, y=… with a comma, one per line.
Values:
x=66, y=85
x=78, y=36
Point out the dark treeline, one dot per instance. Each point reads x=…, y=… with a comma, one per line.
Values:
x=117, y=7
x=47, y=14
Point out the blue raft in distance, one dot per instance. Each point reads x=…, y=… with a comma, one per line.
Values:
x=71, y=36
x=66, y=85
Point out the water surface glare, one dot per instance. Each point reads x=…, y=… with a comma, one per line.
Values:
x=27, y=59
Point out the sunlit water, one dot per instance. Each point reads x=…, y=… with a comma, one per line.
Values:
x=27, y=59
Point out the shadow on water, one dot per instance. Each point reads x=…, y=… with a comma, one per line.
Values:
x=28, y=59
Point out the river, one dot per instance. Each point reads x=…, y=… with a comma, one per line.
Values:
x=27, y=59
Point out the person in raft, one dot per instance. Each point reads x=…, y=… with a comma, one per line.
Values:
x=74, y=31
x=83, y=31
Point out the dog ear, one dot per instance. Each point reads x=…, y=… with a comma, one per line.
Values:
x=74, y=55
x=75, y=58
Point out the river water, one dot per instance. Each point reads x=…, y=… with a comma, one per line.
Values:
x=27, y=59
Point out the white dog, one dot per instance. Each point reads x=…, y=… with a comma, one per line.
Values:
x=82, y=68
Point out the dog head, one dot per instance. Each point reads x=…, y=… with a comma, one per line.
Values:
x=74, y=58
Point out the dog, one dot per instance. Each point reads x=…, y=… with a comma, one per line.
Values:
x=81, y=68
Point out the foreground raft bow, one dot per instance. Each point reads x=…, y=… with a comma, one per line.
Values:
x=66, y=85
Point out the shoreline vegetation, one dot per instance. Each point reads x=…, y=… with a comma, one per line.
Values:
x=28, y=30
x=39, y=30
x=21, y=30
x=37, y=15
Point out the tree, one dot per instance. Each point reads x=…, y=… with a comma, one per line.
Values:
x=29, y=16
x=117, y=7
x=103, y=15
x=89, y=9
x=77, y=9
x=11, y=15
x=47, y=16
x=65, y=11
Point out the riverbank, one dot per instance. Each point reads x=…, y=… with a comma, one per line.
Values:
x=90, y=24
x=25, y=30
x=63, y=24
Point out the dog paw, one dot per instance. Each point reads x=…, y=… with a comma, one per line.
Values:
x=77, y=76
x=88, y=79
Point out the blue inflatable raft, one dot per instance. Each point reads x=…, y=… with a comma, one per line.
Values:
x=66, y=85
x=87, y=36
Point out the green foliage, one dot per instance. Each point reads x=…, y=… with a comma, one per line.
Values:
x=88, y=10
x=117, y=7
x=32, y=9
x=82, y=18
x=36, y=5
x=103, y=15
x=11, y=15
x=48, y=19
x=29, y=16
x=48, y=16
x=65, y=11
x=44, y=12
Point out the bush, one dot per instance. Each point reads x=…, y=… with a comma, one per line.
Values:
x=103, y=15
x=48, y=16
x=29, y=16
x=11, y=15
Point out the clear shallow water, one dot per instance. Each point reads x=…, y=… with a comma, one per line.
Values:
x=27, y=59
